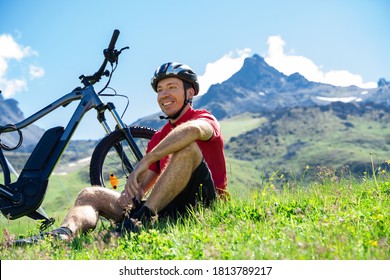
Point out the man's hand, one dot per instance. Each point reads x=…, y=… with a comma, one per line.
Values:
x=133, y=189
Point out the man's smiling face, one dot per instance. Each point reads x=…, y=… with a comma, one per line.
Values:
x=170, y=95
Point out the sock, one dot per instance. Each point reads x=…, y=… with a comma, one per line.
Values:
x=63, y=230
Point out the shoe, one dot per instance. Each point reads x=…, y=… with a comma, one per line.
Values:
x=62, y=233
x=127, y=226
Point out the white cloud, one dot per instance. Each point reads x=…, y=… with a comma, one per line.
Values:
x=11, y=50
x=10, y=87
x=222, y=69
x=289, y=64
x=36, y=72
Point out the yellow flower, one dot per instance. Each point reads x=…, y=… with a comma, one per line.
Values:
x=379, y=217
x=373, y=243
x=307, y=167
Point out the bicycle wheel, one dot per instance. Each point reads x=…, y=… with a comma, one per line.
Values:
x=107, y=168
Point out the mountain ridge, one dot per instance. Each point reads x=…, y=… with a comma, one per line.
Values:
x=260, y=88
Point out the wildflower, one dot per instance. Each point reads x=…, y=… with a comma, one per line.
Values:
x=373, y=243
x=378, y=217
x=307, y=167
x=255, y=196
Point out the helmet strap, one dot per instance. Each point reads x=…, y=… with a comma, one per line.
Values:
x=175, y=116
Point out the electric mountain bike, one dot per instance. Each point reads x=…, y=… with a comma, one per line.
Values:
x=114, y=157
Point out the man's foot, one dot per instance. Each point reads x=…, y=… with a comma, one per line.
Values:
x=135, y=222
x=62, y=233
x=128, y=225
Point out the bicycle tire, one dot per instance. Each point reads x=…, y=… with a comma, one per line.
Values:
x=105, y=161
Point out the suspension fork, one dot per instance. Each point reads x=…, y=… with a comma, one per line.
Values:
x=5, y=166
x=126, y=133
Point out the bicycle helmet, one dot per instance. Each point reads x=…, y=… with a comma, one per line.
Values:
x=176, y=70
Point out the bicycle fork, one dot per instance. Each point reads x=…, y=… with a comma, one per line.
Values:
x=126, y=133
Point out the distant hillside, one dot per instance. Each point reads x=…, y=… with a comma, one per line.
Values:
x=76, y=150
x=341, y=136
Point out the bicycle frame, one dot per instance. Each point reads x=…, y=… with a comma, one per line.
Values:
x=24, y=197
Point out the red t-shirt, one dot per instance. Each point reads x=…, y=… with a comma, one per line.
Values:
x=212, y=149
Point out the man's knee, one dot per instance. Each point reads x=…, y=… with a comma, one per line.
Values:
x=87, y=196
x=190, y=153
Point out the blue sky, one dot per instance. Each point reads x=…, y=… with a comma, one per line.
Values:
x=46, y=45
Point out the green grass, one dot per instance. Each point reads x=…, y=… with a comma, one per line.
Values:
x=237, y=125
x=329, y=218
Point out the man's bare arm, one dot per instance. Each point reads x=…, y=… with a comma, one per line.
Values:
x=179, y=138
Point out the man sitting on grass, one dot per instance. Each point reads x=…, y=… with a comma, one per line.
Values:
x=183, y=166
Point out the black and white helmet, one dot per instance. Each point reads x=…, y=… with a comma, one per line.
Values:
x=176, y=70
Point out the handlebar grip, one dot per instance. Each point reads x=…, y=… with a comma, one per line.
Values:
x=114, y=38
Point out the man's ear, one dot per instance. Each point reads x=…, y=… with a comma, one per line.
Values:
x=190, y=92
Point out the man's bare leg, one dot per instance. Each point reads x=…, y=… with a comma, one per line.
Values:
x=175, y=177
x=84, y=215
x=90, y=203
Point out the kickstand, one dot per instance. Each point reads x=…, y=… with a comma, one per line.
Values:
x=46, y=222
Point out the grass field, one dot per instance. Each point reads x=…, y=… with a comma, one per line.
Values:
x=330, y=218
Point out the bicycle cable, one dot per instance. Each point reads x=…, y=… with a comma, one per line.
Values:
x=113, y=68
x=119, y=95
x=109, y=78
x=14, y=128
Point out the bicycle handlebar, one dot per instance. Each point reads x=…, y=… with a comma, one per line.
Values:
x=110, y=55
x=114, y=38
